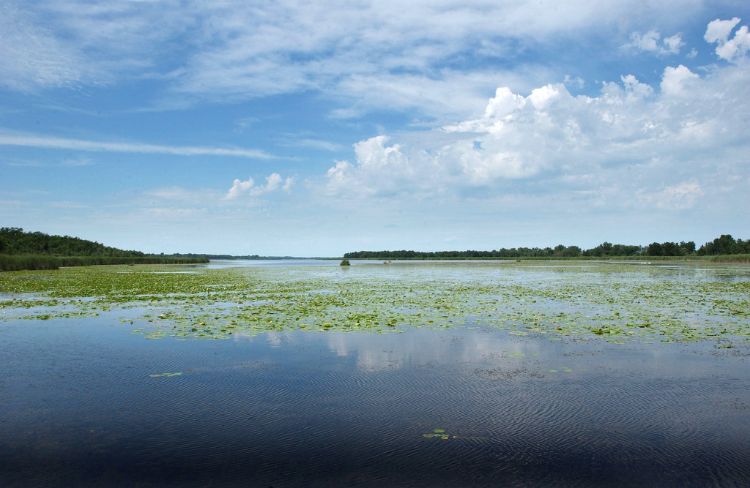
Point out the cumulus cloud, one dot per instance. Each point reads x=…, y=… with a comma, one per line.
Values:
x=652, y=42
x=274, y=181
x=550, y=140
x=376, y=160
x=675, y=80
x=239, y=187
x=729, y=49
x=718, y=30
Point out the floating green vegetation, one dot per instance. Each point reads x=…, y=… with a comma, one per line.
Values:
x=441, y=434
x=438, y=434
x=612, y=302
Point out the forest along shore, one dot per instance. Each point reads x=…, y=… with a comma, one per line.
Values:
x=21, y=250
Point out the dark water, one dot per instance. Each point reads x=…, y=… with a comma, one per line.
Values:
x=78, y=407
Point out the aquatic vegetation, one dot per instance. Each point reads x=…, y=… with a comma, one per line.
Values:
x=441, y=434
x=438, y=434
x=593, y=301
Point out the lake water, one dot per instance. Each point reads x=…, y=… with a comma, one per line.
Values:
x=90, y=401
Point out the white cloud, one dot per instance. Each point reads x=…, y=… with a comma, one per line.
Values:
x=675, y=80
x=673, y=44
x=71, y=43
x=339, y=177
x=676, y=197
x=365, y=56
x=504, y=102
x=317, y=144
x=51, y=142
x=274, y=181
x=634, y=88
x=376, y=160
x=31, y=56
x=239, y=187
x=445, y=95
x=574, y=81
x=718, y=32
x=653, y=42
x=605, y=148
x=288, y=184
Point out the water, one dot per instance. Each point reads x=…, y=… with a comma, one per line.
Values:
x=84, y=402
x=264, y=263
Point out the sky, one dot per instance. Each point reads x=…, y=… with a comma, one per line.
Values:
x=317, y=128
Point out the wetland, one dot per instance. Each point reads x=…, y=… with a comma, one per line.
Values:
x=306, y=373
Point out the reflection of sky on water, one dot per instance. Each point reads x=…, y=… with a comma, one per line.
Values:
x=426, y=348
x=465, y=348
x=325, y=408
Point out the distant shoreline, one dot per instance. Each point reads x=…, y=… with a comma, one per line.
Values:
x=721, y=258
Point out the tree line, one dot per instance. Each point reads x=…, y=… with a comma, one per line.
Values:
x=14, y=240
x=37, y=250
x=725, y=244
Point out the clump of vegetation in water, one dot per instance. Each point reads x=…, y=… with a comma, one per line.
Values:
x=344, y=262
x=438, y=434
x=616, y=303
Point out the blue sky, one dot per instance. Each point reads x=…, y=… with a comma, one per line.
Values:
x=282, y=128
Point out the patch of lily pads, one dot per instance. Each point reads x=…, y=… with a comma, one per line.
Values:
x=601, y=302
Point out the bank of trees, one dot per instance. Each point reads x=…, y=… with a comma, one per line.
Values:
x=725, y=244
x=529, y=252
x=36, y=250
x=14, y=240
x=609, y=249
x=722, y=245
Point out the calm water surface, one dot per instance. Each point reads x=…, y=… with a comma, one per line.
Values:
x=84, y=402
